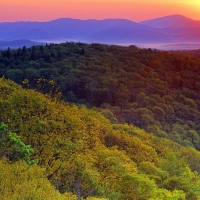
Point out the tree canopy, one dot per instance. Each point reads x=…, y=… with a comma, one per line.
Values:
x=155, y=90
x=83, y=155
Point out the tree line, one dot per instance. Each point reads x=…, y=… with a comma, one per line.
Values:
x=154, y=90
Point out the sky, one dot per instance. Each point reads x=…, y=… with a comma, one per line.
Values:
x=135, y=10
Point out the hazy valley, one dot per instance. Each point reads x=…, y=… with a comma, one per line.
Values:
x=170, y=32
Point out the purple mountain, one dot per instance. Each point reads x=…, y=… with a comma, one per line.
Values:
x=174, y=29
x=171, y=21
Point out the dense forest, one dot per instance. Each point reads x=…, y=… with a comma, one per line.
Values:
x=99, y=122
x=157, y=91
x=51, y=149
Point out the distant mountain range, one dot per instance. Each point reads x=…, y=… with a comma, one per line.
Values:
x=4, y=44
x=175, y=32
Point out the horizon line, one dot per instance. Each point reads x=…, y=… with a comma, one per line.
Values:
x=87, y=19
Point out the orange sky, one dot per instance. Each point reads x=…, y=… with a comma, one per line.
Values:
x=135, y=10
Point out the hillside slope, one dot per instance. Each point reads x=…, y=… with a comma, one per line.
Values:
x=83, y=153
x=154, y=90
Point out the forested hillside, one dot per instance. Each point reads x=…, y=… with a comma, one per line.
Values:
x=48, y=144
x=157, y=91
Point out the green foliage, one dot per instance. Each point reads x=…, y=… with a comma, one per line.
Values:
x=12, y=147
x=151, y=89
x=84, y=155
x=180, y=176
x=135, y=186
x=18, y=181
x=166, y=195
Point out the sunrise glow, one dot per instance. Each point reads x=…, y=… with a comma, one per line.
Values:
x=135, y=10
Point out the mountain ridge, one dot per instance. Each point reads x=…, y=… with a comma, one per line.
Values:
x=161, y=31
x=170, y=20
x=17, y=43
